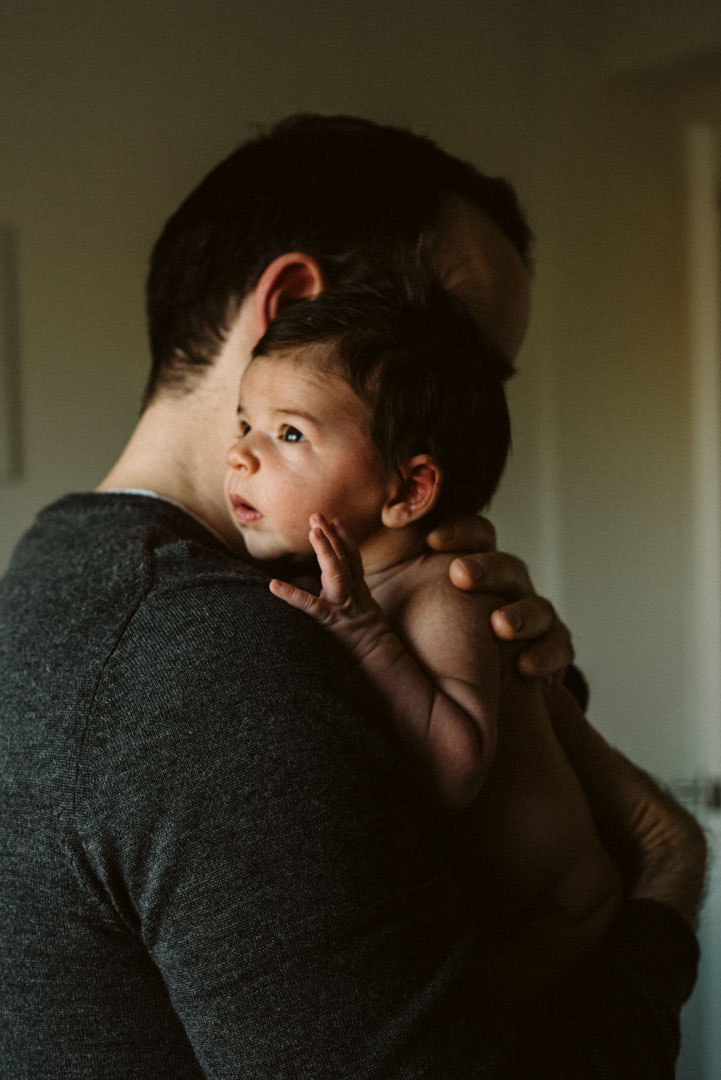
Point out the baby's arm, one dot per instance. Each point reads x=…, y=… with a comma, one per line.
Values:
x=442, y=697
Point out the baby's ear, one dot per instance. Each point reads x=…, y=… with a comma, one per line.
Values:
x=414, y=496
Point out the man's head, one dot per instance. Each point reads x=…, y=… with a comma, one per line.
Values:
x=316, y=203
x=378, y=405
x=342, y=190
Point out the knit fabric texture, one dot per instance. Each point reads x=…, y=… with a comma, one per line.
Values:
x=214, y=864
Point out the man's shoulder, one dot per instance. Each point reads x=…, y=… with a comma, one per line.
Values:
x=101, y=537
x=182, y=562
x=200, y=650
x=98, y=571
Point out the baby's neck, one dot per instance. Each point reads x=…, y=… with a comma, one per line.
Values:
x=386, y=553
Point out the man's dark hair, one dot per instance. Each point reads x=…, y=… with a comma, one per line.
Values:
x=338, y=188
x=430, y=381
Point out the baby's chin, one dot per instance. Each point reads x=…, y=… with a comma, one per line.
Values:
x=275, y=550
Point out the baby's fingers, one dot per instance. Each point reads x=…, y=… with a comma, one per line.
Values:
x=331, y=560
x=298, y=598
x=348, y=549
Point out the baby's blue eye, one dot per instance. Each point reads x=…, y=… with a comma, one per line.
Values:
x=291, y=434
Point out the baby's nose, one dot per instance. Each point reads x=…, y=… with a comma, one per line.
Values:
x=239, y=456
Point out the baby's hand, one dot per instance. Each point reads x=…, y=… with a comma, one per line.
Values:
x=447, y=727
x=345, y=605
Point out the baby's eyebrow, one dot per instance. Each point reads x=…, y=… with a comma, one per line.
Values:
x=297, y=412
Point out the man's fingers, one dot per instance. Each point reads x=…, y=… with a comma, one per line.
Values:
x=464, y=534
x=524, y=620
x=550, y=655
x=492, y=572
x=527, y=617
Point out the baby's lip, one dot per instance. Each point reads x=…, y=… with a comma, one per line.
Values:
x=244, y=511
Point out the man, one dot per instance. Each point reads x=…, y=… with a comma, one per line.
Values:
x=215, y=863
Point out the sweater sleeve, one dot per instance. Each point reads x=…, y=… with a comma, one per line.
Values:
x=244, y=820
x=620, y=1017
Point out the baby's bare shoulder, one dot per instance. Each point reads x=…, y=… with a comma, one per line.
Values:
x=434, y=589
x=427, y=604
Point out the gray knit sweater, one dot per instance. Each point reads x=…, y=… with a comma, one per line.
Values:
x=213, y=863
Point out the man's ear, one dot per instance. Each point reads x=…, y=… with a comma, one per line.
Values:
x=414, y=496
x=289, y=278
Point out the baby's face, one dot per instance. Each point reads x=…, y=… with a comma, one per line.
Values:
x=303, y=448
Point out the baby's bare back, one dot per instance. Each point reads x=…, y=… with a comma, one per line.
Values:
x=530, y=840
x=536, y=834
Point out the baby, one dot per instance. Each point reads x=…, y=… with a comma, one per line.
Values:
x=366, y=416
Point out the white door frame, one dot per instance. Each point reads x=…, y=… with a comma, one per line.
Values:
x=703, y=159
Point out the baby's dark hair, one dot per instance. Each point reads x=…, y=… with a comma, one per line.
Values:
x=430, y=380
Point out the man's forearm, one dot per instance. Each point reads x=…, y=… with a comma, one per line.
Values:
x=659, y=846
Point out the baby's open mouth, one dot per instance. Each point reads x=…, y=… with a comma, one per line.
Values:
x=244, y=511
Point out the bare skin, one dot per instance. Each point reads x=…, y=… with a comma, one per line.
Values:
x=517, y=819
x=426, y=646
x=179, y=444
x=178, y=449
x=659, y=846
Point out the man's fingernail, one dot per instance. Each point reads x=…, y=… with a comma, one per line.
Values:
x=514, y=619
x=444, y=532
x=471, y=567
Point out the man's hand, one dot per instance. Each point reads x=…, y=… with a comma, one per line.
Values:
x=659, y=847
x=527, y=617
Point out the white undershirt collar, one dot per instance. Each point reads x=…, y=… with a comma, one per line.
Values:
x=144, y=491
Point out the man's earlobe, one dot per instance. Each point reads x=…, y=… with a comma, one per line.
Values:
x=416, y=495
x=289, y=278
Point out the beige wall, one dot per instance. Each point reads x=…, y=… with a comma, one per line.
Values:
x=612, y=333
x=613, y=338
x=612, y=320
x=647, y=33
